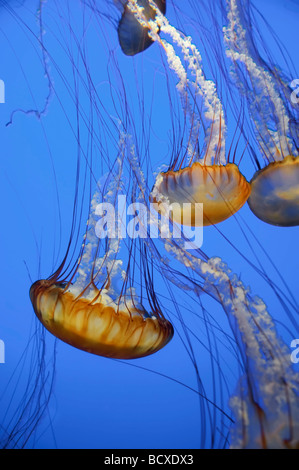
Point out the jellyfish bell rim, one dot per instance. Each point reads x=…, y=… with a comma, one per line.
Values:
x=276, y=208
x=144, y=335
x=227, y=207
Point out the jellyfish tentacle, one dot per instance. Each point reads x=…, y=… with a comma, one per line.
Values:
x=271, y=110
x=274, y=189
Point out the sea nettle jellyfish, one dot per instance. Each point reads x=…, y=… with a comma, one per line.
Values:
x=98, y=309
x=207, y=176
x=133, y=37
x=274, y=194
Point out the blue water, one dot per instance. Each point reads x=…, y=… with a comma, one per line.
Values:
x=98, y=402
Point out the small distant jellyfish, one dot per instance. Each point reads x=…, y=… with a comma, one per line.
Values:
x=206, y=177
x=98, y=310
x=133, y=38
x=274, y=194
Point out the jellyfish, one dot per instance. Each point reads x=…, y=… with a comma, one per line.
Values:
x=133, y=38
x=207, y=176
x=274, y=187
x=90, y=312
x=221, y=346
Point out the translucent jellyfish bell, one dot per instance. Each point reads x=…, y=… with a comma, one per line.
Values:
x=275, y=193
x=222, y=190
x=95, y=326
x=133, y=37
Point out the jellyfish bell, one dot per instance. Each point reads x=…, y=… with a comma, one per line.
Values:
x=133, y=37
x=96, y=324
x=222, y=190
x=274, y=194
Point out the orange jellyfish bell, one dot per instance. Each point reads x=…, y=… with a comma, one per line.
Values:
x=121, y=332
x=222, y=190
x=274, y=194
x=133, y=37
